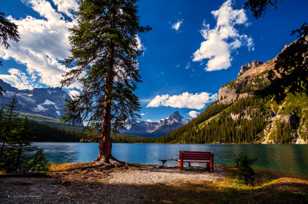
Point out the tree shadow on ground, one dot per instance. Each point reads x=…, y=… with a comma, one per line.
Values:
x=52, y=190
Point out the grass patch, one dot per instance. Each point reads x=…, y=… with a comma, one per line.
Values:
x=53, y=167
x=283, y=190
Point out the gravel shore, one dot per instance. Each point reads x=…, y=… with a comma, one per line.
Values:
x=171, y=176
x=144, y=184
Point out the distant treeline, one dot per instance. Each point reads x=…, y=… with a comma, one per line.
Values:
x=17, y=125
x=91, y=135
x=49, y=133
x=117, y=138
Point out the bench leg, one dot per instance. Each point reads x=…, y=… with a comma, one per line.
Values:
x=212, y=166
x=181, y=164
x=208, y=166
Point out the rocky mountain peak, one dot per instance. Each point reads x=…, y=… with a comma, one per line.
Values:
x=251, y=77
x=175, y=116
x=156, y=128
x=250, y=65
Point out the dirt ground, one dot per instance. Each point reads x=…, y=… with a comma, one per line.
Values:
x=146, y=185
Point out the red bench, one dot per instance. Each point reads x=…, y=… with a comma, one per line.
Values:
x=197, y=157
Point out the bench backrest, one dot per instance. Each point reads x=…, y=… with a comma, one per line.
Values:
x=195, y=155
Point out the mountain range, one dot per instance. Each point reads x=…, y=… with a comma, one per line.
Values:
x=48, y=102
x=155, y=128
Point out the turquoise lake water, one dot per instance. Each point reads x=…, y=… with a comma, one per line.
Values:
x=285, y=159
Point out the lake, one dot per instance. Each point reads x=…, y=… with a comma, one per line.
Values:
x=285, y=159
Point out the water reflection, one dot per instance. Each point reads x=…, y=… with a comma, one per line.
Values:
x=87, y=152
x=60, y=152
x=301, y=155
x=288, y=159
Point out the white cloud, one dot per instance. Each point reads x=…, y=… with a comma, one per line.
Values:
x=43, y=41
x=177, y=25
x=67, y=6
x=249, y=42
x=17, y=79
x=184, y=100
x=193, y=114
x=139, y=43
x=220, y=41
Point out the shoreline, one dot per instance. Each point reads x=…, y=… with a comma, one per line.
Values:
x=220, y=166
x=121, y=142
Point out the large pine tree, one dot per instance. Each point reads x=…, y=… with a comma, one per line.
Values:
x=104, y=51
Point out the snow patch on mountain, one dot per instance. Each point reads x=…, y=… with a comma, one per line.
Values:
x=48, y=102
x=40, y=108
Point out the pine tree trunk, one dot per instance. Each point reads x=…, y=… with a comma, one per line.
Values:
x=105, y=139
x=105, y=143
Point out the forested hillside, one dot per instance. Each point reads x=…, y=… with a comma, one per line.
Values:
x=267, y=103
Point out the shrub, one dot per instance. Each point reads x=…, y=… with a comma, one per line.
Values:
x=8, y=160
x=37, y=163
x=12, y=162
x=245, y=171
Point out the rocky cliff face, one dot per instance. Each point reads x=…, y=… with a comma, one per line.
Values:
x=252, y=65
x=252, y=77
x=227, y=95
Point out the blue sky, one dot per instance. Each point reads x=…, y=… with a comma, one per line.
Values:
x=194, y=48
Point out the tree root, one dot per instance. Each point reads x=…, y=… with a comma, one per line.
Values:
x=102, y=165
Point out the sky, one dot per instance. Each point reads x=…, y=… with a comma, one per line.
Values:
x=194, y=48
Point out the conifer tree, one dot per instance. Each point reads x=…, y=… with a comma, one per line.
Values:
x=8, y=31
x=15, y=135
x=8, y=126
x=21, y=139
x=104, y=53
x=258, y=7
